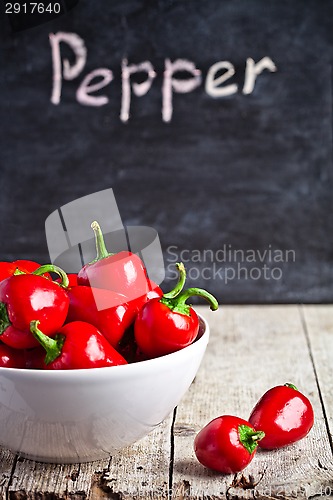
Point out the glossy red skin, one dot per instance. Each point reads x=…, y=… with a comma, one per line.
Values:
x=11, y=358
x=284, y=414
x=123, y=272
x=154, y=292
x=85, y=305
x=217, y=446
x=28, y=297
x=158, y=330
x=84, y=347
x=72, y=279
x=7, y=269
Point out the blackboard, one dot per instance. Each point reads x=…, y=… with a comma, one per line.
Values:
x=235, y=176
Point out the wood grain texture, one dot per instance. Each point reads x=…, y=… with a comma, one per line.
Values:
x=7, y=465
x=251, y=349
x=318, y=324
x=139, y=471
x=32, y=480
x=142, y=470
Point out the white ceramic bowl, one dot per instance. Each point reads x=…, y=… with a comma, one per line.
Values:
x=74, y=416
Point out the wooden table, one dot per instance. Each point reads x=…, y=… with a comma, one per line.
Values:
x=251, y=349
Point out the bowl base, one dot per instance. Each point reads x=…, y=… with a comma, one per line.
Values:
x=63, y=460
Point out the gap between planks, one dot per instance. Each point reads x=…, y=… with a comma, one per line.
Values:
x=257, y=347
x=307, y=335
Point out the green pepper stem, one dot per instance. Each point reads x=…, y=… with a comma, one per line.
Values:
x=257, y=436
x=4, y=319
x=190, y=292
x=175, y=300
x=52, y=347
x=101, y=251
x=18, y=271
x=249, y=437
x=181, y=282
x=292, y=386
x=51, y=268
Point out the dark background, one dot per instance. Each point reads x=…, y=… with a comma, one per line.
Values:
x=251, y=171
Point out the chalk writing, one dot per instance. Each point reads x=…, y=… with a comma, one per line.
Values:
x=218, y=74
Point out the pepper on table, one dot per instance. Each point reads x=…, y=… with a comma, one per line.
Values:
x=227, y=444
x=284, y=414
x=76, y=345
x=27, y=297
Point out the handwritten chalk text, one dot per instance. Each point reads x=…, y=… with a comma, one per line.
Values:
x=215, y=81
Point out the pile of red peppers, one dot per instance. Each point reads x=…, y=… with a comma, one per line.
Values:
x=110, y=313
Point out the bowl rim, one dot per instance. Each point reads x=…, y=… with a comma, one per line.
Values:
x=30, y=373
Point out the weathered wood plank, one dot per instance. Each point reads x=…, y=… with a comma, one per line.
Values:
x=139, y=471
x=32, y=480
x=142, y=470
x=251, y=349
x=319, y=328
x=7, y=464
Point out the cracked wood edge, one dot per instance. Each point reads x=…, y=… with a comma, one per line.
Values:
x=7, y=465
x=37, y=480
x=253, y=348
x=142, y=470
x=318, y=325
x=139, y=471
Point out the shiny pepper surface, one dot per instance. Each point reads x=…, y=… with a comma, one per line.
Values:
x=284, y=414
x=167, y=324
x=21, y=266
x=122, y=272
x=227, y=444
x=106, y=310
x=27, y=297
x=12, y=358
x=76, y=345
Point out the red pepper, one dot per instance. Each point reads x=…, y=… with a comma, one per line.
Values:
x=123, y=272
x=105, y=309
x=227, y=444
x=168, y=324
x=284, y=414
x=7, y=269
x=76, y=345
x=72, y=279
x=154, y=291
x=34, y=358
x=25, y=297
x=11, y=358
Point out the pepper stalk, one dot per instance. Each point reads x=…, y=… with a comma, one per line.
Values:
x=176, y=298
